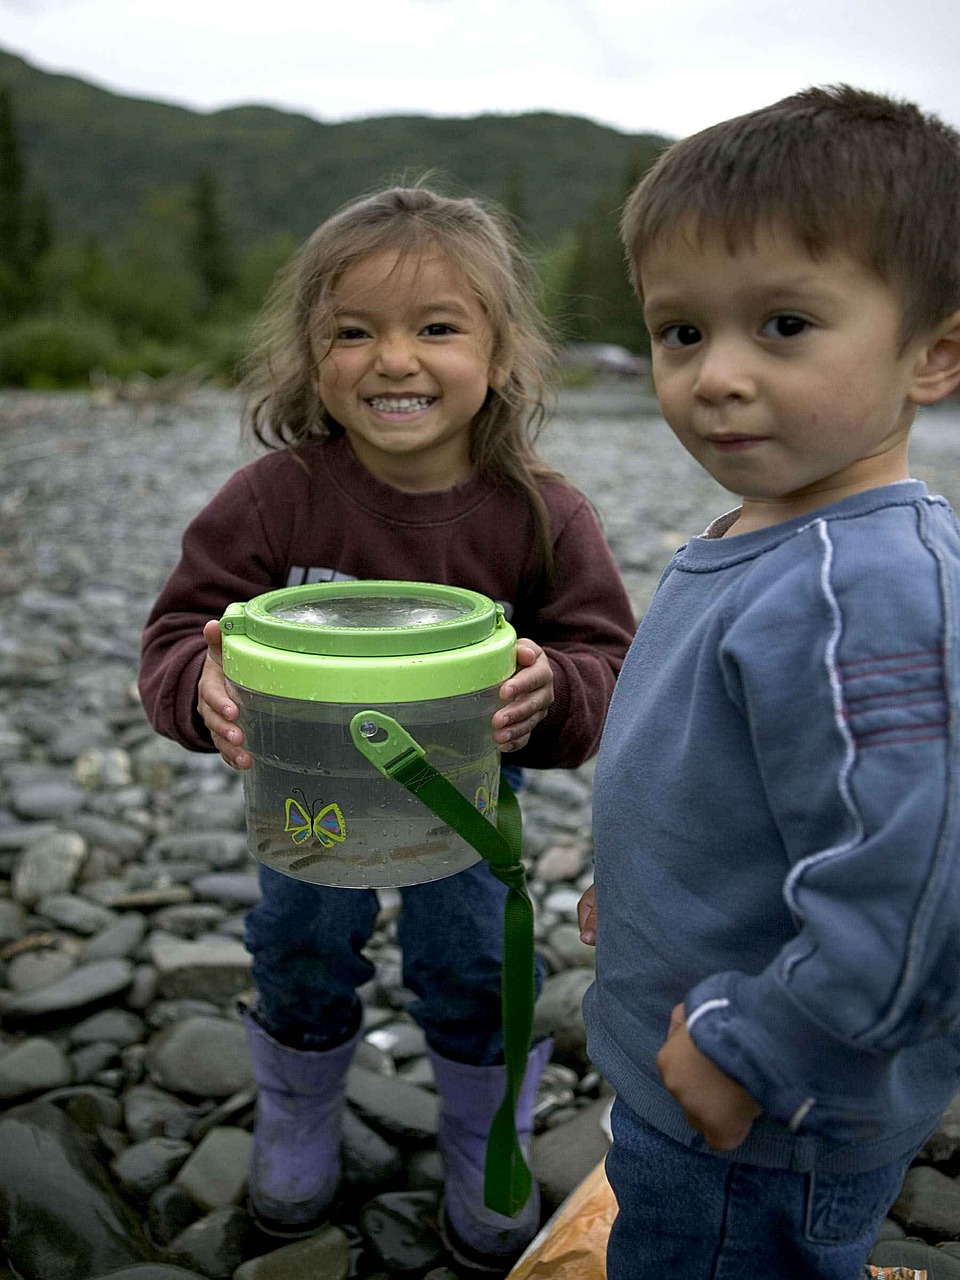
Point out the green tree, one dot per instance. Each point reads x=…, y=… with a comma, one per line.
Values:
x=514, y=198
x=592, y=297
x=154, y=290
x=257, y=270
x=211, y=250
x=26, y=233
x=12, y=186
x=73, y=279
x=38, y=232
x=12, y=196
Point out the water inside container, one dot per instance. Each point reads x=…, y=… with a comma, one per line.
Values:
x=371, y=611
x=317, y=810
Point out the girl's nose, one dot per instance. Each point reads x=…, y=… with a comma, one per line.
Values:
x=724, y=373
x=397, y=357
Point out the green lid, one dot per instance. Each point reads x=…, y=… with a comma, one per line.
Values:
x=374, y=641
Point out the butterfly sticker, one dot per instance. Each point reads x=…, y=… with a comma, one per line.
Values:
x=486, y=794
x=302, y=822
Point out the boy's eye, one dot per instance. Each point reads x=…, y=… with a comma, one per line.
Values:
x=785, y=326
x=680, y=335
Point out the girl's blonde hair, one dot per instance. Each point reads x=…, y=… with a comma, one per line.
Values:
x=284, y=407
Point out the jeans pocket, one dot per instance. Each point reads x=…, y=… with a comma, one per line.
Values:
x=844, y=1207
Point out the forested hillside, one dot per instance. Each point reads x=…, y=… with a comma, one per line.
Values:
x=107, y=202
x=99, y=154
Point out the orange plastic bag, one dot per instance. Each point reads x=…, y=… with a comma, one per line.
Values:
x=573, y=1243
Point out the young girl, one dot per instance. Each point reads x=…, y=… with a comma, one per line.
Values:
x=403, y=368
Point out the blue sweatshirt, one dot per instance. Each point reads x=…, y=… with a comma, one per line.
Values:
x=777, y=831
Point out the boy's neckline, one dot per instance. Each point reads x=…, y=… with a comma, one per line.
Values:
x=724, y=526
x=707, y=551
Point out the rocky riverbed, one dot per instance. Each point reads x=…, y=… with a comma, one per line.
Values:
x=126, y=1098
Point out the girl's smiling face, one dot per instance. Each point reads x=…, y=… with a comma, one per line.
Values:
x=405, y=367
x=781, y=373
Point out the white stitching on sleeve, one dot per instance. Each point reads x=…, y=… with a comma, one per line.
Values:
x=843, y=776
x=708, y=1006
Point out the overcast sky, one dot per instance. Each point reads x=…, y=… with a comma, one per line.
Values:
x=639, y=65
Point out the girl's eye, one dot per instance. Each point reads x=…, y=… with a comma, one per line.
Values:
x=785, y=326
x=680, y=335
x=438, y=330
x=350, y=333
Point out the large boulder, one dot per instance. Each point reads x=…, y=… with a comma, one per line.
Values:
x=60, y=1216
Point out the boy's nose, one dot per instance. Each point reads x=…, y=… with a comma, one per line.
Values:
x=724, y=373
x=396, y=357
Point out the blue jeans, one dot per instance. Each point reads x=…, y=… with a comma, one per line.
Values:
x=693, y=1215
x=306, y=942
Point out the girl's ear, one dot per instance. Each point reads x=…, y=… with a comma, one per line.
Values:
x=498, y=377
x=938, y=367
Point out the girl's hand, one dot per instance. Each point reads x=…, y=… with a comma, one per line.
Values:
x=714, y=1104
x=587, y=916
x=217, y=711
x=529, y=692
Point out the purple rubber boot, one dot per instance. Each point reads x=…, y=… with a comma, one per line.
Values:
x=295, y=1161
x=469, y=1098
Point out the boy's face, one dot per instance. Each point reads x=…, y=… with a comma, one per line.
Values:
x=781, y=374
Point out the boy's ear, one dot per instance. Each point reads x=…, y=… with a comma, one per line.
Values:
x=938, y=369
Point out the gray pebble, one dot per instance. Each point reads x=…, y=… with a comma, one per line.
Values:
x=236, y=888
x=32, y=1066
x=203, y=1057
x=33, y=969
x=48, y=865
x=118, y=939
x=51, y=799
x=147, y=1166
x=561, y=862
x=392, y=1105
x=212, y=970
x=929, y=1201
x=12, y=921
x=92, y=1062
x=215, y=1175
x=169, y=1211
x=119, y=1026
x=76, y=913
x=573, y=954
x=102, y=767
x=147, y=1112
x=326, y=1255
x=87, y=984
x=215, y=1244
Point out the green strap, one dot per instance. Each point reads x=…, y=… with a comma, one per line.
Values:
x=390, y=749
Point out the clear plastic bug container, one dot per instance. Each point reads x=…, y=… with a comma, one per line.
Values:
x=303, y=662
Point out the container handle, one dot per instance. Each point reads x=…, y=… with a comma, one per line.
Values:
x=234, y=620
x=394, y=753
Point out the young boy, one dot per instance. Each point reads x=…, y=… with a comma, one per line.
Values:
x=777, y=914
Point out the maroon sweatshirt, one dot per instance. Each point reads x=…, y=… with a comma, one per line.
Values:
x=319, y=515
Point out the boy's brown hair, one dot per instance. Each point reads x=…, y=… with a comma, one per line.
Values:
x=841, y=168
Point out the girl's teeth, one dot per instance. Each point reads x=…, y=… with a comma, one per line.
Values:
x=400, y=404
